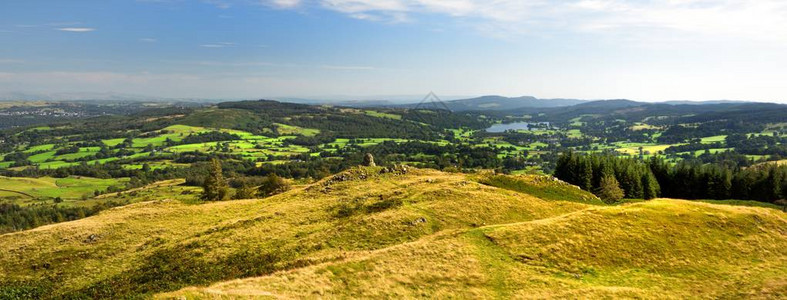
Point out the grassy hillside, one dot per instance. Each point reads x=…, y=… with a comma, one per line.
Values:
x=375, y=232
x=656, y=249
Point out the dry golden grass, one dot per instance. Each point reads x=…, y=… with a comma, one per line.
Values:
x=304, y=226
x=656, y=249
x=364, y=233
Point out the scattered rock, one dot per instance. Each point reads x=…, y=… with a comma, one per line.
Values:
x=419, y=221
x=92, y=238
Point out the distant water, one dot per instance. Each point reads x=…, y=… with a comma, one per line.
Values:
x=511, y=126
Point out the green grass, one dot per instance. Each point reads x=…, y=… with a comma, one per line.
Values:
x=46, y=188
x=56, y=164
x=37, y=148
x=155, y=165
x=544, y=187
x=285, y=129
x=378, y=114
x=83, y=152
x=41, y=157
x=714, y=139
x=112, y=142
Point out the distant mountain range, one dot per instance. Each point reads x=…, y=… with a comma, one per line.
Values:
x=21, y=96
x=454, y=103
x=506, y=103
x=500, y=103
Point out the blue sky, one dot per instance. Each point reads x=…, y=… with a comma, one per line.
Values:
x=590, y=49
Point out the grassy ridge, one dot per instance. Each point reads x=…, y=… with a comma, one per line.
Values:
x=134, y=247
x=657, y=249
x=544, y=187
x=370, y=232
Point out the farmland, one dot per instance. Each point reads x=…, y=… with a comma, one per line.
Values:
x=78, y=162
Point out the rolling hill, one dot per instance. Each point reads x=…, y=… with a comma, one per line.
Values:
x=405, y=232
x=500, y=103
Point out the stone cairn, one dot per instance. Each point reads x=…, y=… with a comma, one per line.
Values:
x=368, y=160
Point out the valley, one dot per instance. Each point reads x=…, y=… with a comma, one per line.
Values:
x=114, y=207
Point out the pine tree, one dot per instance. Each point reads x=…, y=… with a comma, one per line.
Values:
x=215, y=188
x=586, y=177
x=610, y=190
x=650, y=187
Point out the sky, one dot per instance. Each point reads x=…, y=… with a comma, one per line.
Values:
x=251, y=49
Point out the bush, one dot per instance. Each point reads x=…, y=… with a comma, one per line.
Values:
x=273, y=185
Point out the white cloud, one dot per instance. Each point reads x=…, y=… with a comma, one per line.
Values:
x=282, y=3
x=749, y=19
x=76, y=29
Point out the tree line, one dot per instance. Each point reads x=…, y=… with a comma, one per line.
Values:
x=609, y=177
x=604, y=173
x=14, y=217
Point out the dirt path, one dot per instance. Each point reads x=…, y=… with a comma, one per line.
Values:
x=17, y=192
x=164, y=183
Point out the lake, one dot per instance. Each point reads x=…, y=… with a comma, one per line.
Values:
x=512, y=126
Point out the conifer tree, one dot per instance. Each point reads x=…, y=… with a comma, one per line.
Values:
x=650, y=187
x=215, y=188
x=609, y=191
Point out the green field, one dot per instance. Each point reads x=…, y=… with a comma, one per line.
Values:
x=633, y=148
x=285, y=129
x=47, y=188
x=378, y=114
x=714, y=139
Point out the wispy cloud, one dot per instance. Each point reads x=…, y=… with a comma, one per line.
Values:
x=219, y=45
x=76, y=29
x=749, y=19
x=633, y=19
x=282, y=3
x=347, y=68
x=230, y=64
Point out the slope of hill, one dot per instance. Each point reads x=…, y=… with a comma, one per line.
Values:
x=373, y=232
x=656, y=249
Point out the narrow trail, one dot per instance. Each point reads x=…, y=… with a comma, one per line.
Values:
x=17, y=192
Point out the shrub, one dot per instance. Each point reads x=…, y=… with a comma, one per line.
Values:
x=273, y=185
